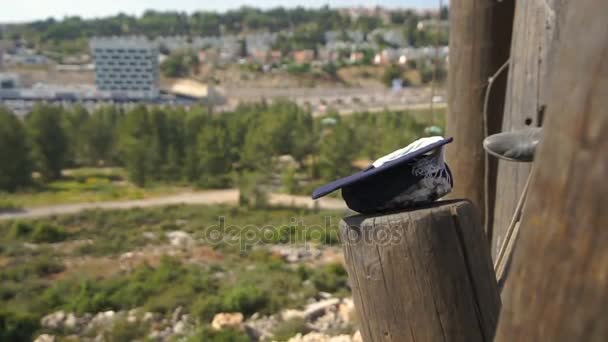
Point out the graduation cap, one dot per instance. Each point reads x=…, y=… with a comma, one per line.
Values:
x=414, y=175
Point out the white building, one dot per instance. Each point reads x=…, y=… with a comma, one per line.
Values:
x=126, y=65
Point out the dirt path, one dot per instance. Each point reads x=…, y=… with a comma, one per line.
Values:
x=229, y=196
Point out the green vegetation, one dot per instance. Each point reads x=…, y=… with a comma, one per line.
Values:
x=69, y=35
x=83, y=185
x=180, y=64
x=226, y=335
x=49, y=141
x=290, y=328
x=162, y=149
x=16, y=168
x=241, y=277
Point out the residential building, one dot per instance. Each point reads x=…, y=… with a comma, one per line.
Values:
x=126, y=65
x=303, y=56
x=356, y=56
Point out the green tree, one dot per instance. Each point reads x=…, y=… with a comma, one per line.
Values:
x=74, y=122
x=180, y=64
x=137, y=146
x=213, y=156
x=15, y=163
x=99, y=137
x=16, y=326
x=49, y=140
x=336, y=152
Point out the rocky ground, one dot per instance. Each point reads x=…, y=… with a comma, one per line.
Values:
x=327, y=319
x=80, y=288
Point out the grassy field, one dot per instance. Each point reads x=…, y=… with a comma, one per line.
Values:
x=120, y=260
x=84, y=185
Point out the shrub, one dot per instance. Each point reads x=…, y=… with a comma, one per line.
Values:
x=48, y=233
x=330, y=278
x=205, y=307
x=287, y=329
x=125, y=331
x=246, y=299
x=17, y=326
x=392, y=72
x=225, y=335
x=20, y=230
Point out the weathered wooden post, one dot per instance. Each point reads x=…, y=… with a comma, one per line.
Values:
x=480, y=39
x=422, y=275
x=534, y=39
x=558, y=287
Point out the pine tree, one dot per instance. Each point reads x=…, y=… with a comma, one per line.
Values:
x=15, y=163
x=49, y=140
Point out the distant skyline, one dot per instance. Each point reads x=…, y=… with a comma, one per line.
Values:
x=30, y=10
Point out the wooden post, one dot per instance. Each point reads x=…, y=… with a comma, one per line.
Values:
x=557, y=289
x=422, y=275
x=534, y=37
x=480, y=40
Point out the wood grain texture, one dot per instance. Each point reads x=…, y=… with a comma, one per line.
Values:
x=480, y=38
x=558, y=287
x=534, y=36
x=422, y=275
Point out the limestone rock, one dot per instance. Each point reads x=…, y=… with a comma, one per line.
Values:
x=347, y=310
x=290, y=314
x=228, y=320
x=54, y=320
x=180, y=238
x=71, y=321
x=317, y=309
x=45, y=338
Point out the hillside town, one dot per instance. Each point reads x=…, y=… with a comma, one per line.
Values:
x=386, y=63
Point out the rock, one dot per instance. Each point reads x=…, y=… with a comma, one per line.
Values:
x=357, y=337
x=45, y=338
x=293, y=254
x=228, y=320
x=126, y=256
x=149, y=316
x=319, y=337
x=54, y=320
x=155, y=335
x=71, y=321
x=179, y=328
x=132, y=316
x=180, y=238
x=325, y=295
x=102, y=319
x=290, y=314
x=177, y=314
x=260, y=328
x=346, y=310
x=160, y=335
x=149, y=235
x=319, y=308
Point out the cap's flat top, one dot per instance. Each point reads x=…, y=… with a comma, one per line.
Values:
x=373, y=171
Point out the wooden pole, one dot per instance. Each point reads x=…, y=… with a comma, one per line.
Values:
x=534, y=37
x=422, y=275
x=557, y=289
x=480, y=39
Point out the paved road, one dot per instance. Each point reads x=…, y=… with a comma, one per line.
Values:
x=229, y=196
